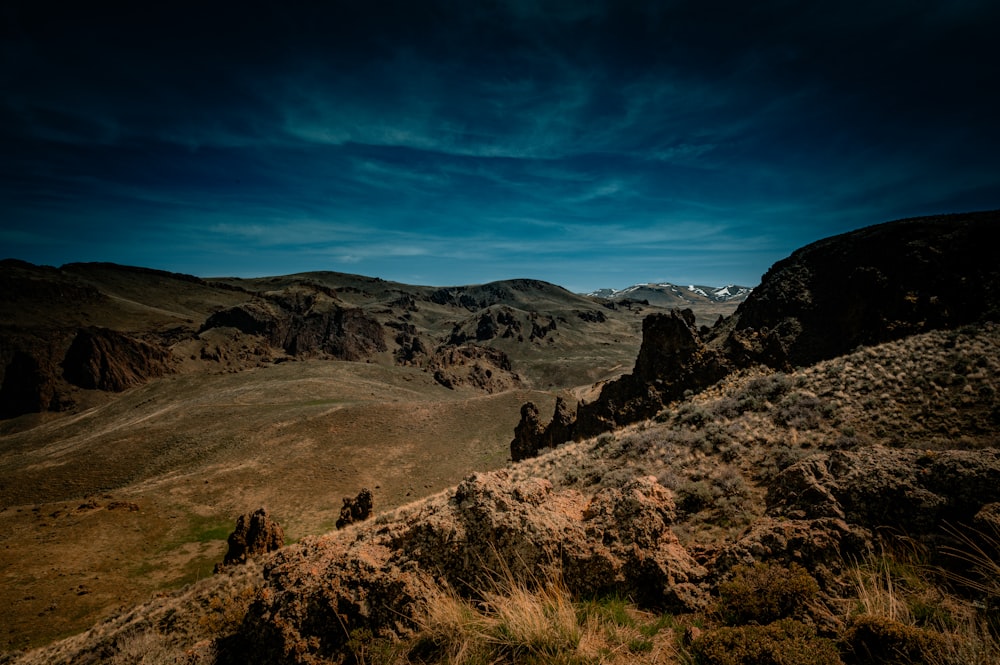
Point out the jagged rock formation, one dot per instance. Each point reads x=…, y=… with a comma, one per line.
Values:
x=255, y=534
x=103, y=359
x=530, y=436
x=305, y=326
x=672, y=359
x=381, y=580
x=356, y=509
x=474, y=366
x=865, y=287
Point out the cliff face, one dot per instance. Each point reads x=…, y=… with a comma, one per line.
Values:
x=108, y=360
x=305, y=326
x=870, y=286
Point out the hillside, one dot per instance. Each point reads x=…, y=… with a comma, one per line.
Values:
x=145, y=410
x=772, y=468
x=71, y=334
x=814, y=479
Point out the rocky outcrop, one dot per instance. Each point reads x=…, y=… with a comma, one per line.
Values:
x=103, y=359
x=824, y=546
x=481, y=367
x=910, y=490
x=527, y=434
x=672, y=359
x=356, y=509
x=870, y=286
x=255, y=534
x=865, y=287
x=491, y=524
x=305, y=326
x=530, y=436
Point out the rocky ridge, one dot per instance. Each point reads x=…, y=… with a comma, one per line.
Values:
x=824, y=300
x=62, y=326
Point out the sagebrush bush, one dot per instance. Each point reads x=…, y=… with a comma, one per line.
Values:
x=879, y=639
x=785, y=642
x=763, y=593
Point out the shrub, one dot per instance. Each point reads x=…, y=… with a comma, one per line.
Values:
x=764, y=593
x=879, y=639
x=786, y=642
x=694, y=496
x=802, y=411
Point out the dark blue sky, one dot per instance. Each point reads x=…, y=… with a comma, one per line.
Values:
x=585, y=143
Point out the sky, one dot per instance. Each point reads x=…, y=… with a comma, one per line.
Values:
x=587, y=143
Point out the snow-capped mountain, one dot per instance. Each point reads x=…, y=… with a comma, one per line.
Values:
x=673, y=295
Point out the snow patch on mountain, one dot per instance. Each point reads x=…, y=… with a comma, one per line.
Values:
x=727, y=293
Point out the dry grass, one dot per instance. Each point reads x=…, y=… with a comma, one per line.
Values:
x=147, y=647
x=532, y=621
x=902, y=609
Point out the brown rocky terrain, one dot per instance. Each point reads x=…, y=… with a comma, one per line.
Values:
x=766, y=469
x=774, y=491
x=196, y=400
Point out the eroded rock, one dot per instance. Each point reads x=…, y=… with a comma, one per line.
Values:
x=356, y=509
x=256, y=533
x=619, y=539
x=104, y=359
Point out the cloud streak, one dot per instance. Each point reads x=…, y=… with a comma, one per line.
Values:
x=458, y=142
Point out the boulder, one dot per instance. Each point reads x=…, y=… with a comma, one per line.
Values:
x=256, y=533
x=356, y=509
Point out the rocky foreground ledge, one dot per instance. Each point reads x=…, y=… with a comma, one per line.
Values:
x=308, y=602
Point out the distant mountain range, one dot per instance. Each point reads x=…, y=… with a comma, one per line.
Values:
x=665, y=294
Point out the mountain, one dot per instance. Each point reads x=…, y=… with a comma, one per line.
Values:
x=666, y=294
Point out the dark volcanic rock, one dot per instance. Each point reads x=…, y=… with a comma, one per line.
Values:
x=672, y=359
x=870, y=286
x=256, y=533
x=109, y=360
x=527, y=434
x=304, y=326
x=357, y=509
x=530, y=436
x=28, y=387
